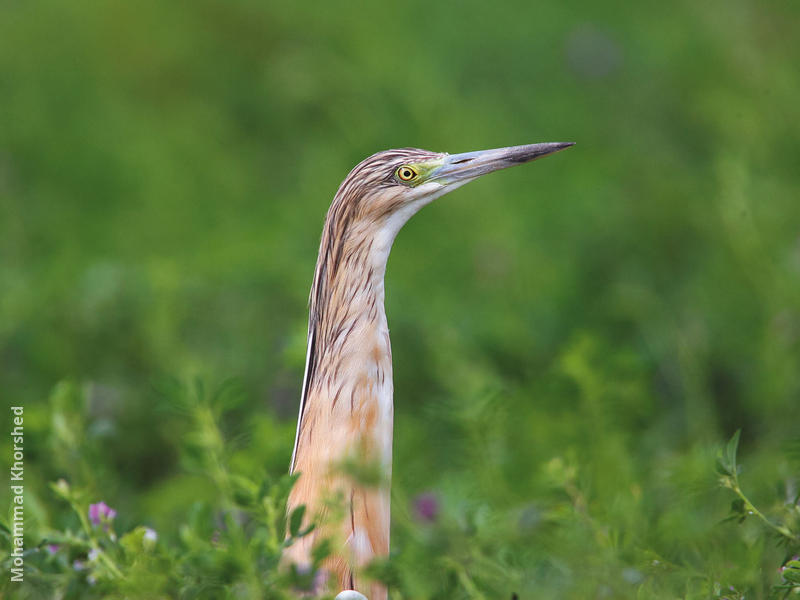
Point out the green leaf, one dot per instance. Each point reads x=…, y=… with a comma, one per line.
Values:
x=791, y=571
x=244, y=490
x=286, y=482
x=738, y=510
x=721, y=467
x=726, y=459
x=732, y=448
x=62, y=489
x=296, y=520
x=137, y=541
x=321, y=551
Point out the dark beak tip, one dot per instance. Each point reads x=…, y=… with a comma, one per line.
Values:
x=525, y=154
x=554, y=147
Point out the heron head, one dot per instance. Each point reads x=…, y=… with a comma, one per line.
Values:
x=387, y=188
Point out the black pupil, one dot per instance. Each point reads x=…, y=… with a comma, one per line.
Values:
x=407, y=173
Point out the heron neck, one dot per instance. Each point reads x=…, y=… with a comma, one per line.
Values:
x=349, y=284
x=349, y=363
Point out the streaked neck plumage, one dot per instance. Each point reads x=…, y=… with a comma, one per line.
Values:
x=349, y=353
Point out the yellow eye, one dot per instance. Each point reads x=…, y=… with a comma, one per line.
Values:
x=406, y=173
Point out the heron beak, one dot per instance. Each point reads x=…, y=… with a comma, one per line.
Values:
x=460, y=168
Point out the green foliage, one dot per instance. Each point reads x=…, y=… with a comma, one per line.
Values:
x=227, y=548
x=462, y=547
x=573, y=340
x=787, y=531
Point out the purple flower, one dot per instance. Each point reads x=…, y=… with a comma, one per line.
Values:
x=101, y=513
x=52, y=548
x=426, y=507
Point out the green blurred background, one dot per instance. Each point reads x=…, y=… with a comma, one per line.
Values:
x=577, y=334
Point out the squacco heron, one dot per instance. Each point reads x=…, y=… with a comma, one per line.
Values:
x=346, y=408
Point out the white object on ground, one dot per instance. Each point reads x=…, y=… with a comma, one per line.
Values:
x=351, y=595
